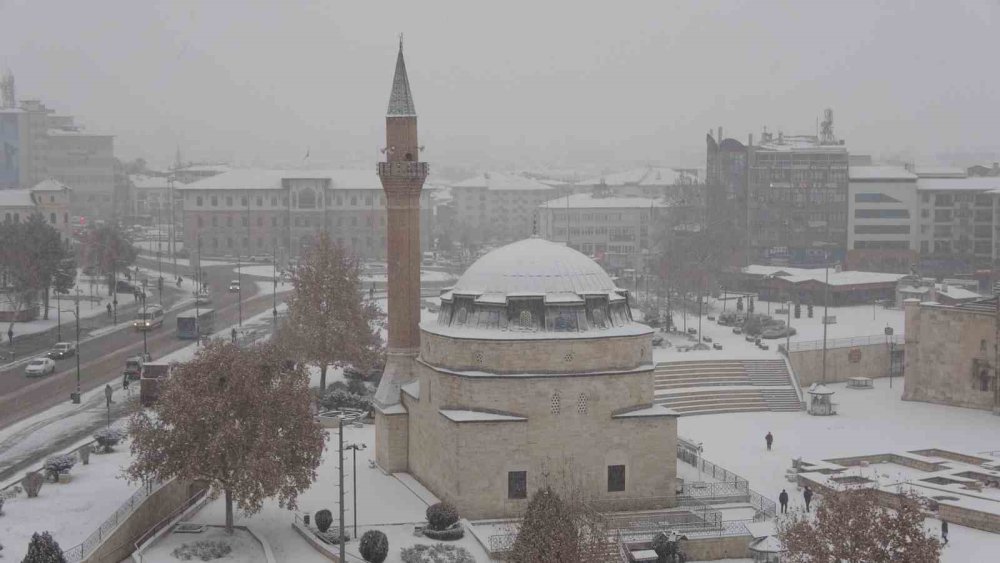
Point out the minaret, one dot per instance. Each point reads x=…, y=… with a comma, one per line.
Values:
x=402, y=176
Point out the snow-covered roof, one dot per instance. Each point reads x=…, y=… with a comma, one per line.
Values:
x=258, y=179
x=976, y=183
x=956, y=292
x=647, y=176
x=50, y=185
x=479, y=416
x=412, y=388
x=644, y=412
x=768, y=544
x=16, y=198
x=534, y=266
x=797, y=275
x=799, y=143
x=820, y=389
x=217, y=168
x=590, y=201
x=940, y=172
x=500, y=181
x=880, y=173
x=400, y=99
x=144, y=182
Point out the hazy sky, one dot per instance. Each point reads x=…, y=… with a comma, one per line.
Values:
x=535, y=83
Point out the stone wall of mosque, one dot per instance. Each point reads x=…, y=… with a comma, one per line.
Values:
x=538, y=356
x=566, y=437
x=950, y=356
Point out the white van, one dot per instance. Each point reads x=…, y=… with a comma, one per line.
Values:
x=149, y=319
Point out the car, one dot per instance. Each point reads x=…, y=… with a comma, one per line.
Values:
x=261, y=258
x=716, y=346
x=62, y=350
x=657, y=340
x=202, y=297
x=123, y=286
x=778, y=332
x=737, y=330
x=40, y=366
x=234, y=286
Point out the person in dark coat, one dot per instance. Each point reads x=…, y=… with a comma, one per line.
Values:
x=770, y=440
x=808, y=496
x=783, y=501
x=233, y=334
x=109, y=310
x=944, y=531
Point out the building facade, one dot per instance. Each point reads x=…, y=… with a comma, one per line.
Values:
x=956, y=223
x=618, y=232
x=787, y=194
x=654, y=182
x=882, y=219
x=496, y=207
x=49, y=199
x=248, y=212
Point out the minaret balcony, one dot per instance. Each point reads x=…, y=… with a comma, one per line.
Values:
x=403, y=169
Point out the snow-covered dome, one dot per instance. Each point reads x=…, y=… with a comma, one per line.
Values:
x=535, y=286
x=534, y=266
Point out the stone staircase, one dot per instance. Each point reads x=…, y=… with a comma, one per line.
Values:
x=721, y=386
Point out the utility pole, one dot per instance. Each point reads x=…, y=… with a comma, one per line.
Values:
x=58, y=318
x=340, y=460
x=826, y=308
x=77, y=347
x=274, y=283
x=239, y=286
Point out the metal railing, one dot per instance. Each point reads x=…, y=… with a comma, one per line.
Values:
x=846, y=342
x=403, y=168
x=155, y=529
x=82, y=550
x=501, y=543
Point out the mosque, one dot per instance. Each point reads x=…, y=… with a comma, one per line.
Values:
x=534, y=372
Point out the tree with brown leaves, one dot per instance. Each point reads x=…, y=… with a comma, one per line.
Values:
x=329, y=322
x=237, y=418
x=852, y=527
x=554, y=530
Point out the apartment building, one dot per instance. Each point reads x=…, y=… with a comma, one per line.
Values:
x=497, y=207
x=881, y=220
x=956, y=225
x=49, y=198
x=650, y=182
x=619, y=232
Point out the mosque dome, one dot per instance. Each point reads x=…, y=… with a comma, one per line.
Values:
x=537, y=289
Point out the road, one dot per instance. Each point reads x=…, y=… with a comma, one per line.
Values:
x=103, y=357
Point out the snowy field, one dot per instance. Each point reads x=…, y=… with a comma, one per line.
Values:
x=873, y=421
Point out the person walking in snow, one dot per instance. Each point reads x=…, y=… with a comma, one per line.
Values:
x=125, y=384
x=808, y=496
x=783, y=501
x=233, y=334
x=109, y=310
x=944, y=531
x=770, y=440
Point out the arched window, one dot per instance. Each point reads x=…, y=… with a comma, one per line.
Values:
x=463, y=315
x=307, y=199
x=524, y=320
x=198, y=201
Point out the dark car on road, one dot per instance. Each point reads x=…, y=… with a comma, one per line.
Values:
x=123, y=286
x=62, y=350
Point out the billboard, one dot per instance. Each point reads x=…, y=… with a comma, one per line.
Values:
x=9, y=151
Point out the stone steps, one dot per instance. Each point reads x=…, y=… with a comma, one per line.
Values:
x=688, y=387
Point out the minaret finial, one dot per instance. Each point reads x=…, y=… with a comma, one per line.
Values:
x=400, y=42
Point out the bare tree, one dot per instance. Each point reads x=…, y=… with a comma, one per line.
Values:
x=109, y=250
x=237, y=418
x=329, y=323
x=22, y=275
x=852, y=527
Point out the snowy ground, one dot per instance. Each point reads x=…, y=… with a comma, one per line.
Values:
x=70, y=511
x=857, y=321
x=873, y=421
x=384, y=502
x=245, y=548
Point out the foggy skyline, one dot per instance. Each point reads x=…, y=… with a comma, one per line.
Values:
x=518, y=83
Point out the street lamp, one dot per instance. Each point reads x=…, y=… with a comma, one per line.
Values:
x=274, y=286
x=354, y=460
x=75, y=397
x=889, y=343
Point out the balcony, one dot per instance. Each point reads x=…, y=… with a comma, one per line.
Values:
x=403, y=169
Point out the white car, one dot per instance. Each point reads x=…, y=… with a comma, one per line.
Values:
x=40, y=366
x=234, y=286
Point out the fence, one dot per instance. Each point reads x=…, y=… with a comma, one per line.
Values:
x=846, y=342
x=729, y=487
x=155, y=529
x=79, y=552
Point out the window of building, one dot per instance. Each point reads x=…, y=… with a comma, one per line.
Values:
x=274, y=201
x=517, y=484
x=260, y=201
x=944, y=200
x=881, y=229
x=369, y=200
x=307, y=199
x=52, y=218
x=215, y=201
x=942, y=215
x=198, y=201
x=354, y=200
x=229, y=201
x=924, y=246
x=243, y=201
x=881, y=214
x=616, y=478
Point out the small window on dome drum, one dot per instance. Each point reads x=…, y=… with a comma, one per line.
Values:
x=556, y=403
x=524, y=320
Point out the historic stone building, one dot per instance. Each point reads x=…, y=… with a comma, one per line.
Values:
x=534, y=372
x=951, y=354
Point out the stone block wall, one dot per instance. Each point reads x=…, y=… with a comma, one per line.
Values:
x=873, y=362
x=943, y=346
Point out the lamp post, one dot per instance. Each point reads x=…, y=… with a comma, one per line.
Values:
x=788, y=329
x=889, y=345
x=340, y=465
x=75, y=397
x=58, y=318
x=239, y=287
x=145, y=319
x=354, y=460
x=274, y=288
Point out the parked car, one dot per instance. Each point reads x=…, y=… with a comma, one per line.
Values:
x=737, y=330
x=716, y=346
x=261, y=258
x=62, y=350
x=234, y=286
x=778, y=332
x=40, y=366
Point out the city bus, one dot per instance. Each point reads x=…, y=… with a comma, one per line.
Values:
x=150, y=318
x=192, y=323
